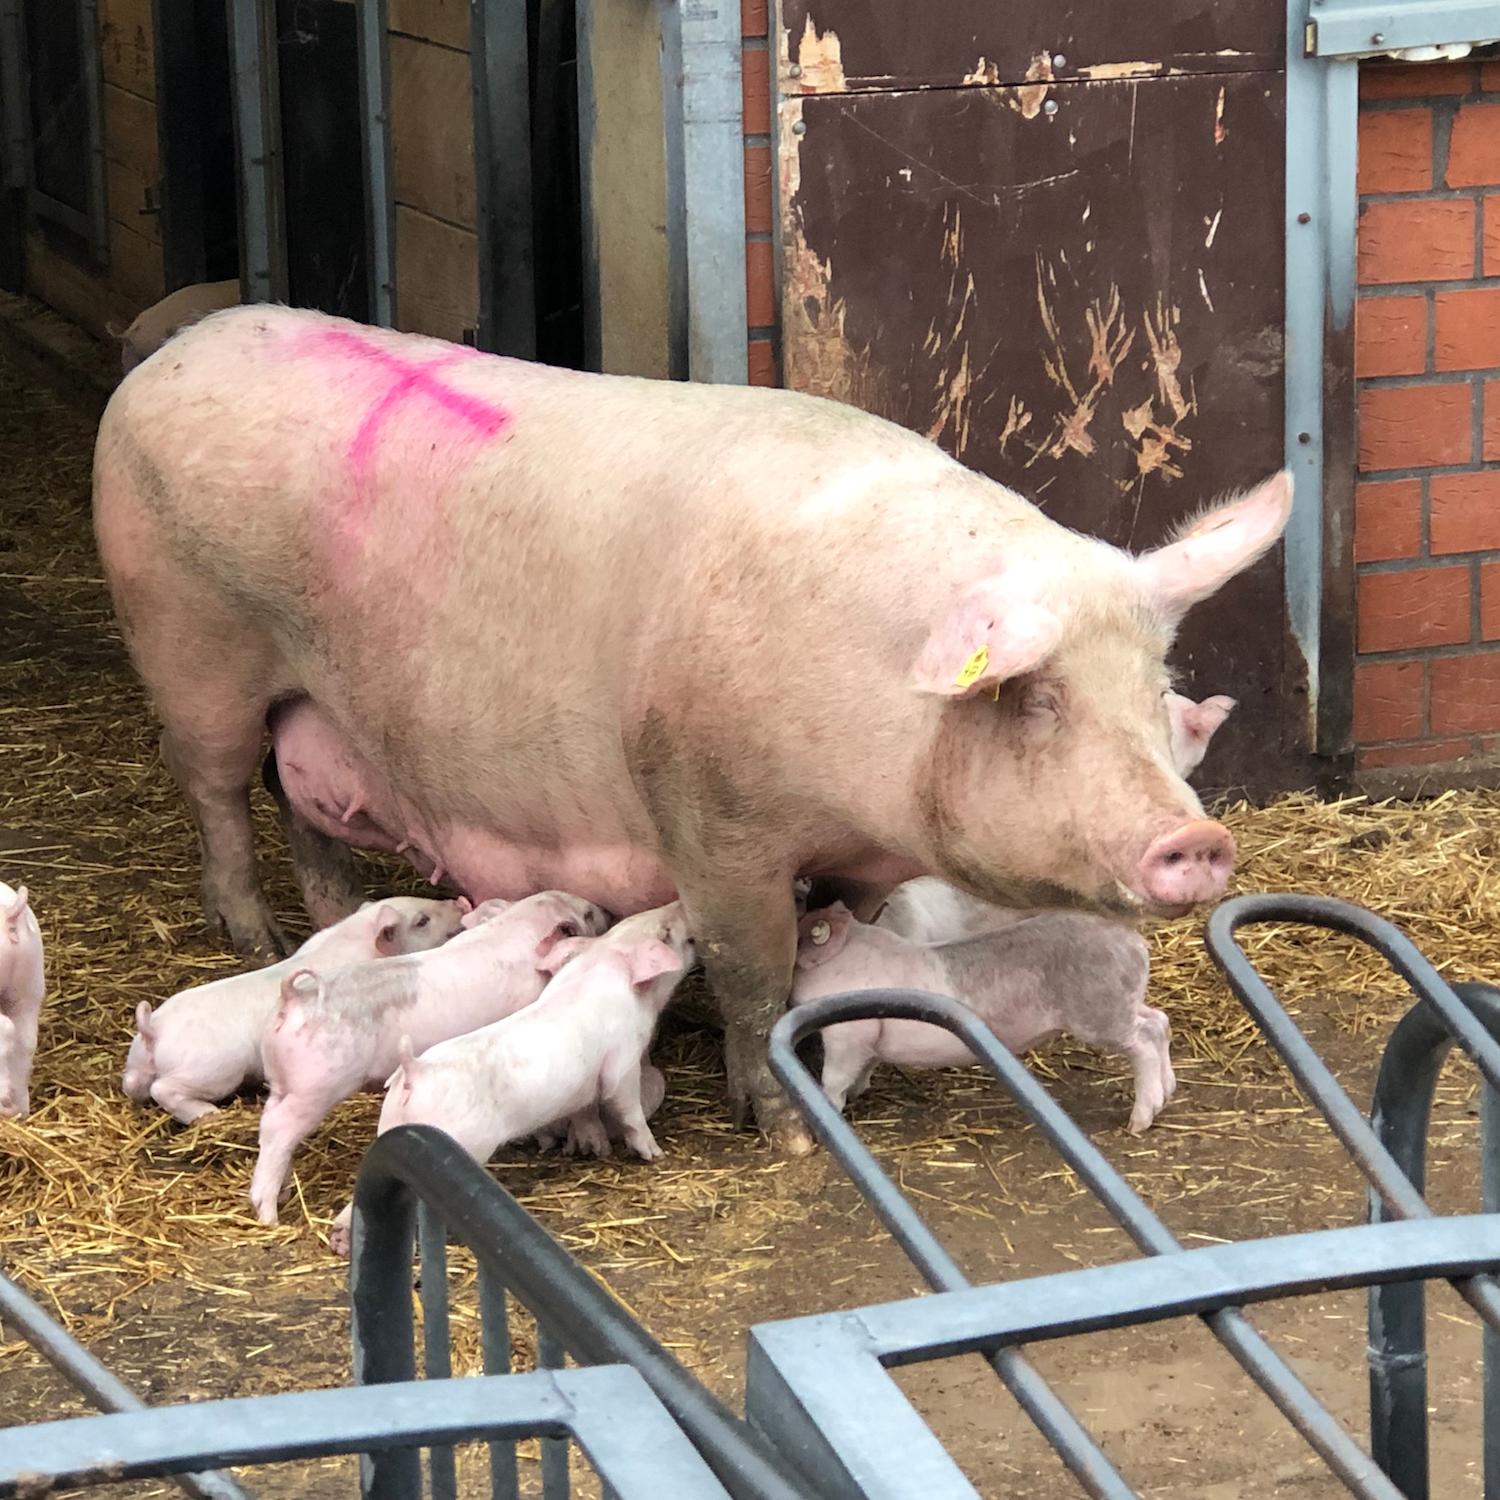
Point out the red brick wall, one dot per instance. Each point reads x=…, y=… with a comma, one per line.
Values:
x=760, y=277
x=1427, y=505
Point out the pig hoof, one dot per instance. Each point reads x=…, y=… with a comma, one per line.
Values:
x=792, y=1138
x=249, y=929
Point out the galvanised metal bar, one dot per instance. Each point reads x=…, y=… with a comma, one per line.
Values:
x=500, y=58
x=1269, y=1371
x=1489, y=1189
x=375, y=123
x=110, y=1394
x=588, y=190
x=257, y=138
x=494, y=1345
x=512, y=1247
x=701, y=46
x=1051, y=1414
x=1355, y=28
x=669, y=16
x=437, y=1355
x=1313, y=1076
x=1401, y=1116
x=609, y=1411
x=1321, y=203
x=824, y=1379
x=550, y=1355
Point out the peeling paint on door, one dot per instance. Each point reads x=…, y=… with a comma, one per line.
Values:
x=1091, y=314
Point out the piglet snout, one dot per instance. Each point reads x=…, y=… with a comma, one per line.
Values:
x=1191, y=864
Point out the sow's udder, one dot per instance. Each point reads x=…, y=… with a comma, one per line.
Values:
x=340, y=794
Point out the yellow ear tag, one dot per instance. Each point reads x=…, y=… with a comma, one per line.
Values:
x=972, y=669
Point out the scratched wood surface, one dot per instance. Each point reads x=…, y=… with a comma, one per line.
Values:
x=887, y=44
x=1077, y=289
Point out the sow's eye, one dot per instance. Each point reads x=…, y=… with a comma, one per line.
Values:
x=569, y=929
x=423, y=921
x=1042, y=704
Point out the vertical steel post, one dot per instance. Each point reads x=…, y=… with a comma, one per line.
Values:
x=257, y=136
x=375, y=121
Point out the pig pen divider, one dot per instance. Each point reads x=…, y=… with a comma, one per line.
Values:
x=609, y=1411
x=102, y=1387
x=1401, y=1115
x=791, y=1362
x=1390, y=1149
x=418, y=1187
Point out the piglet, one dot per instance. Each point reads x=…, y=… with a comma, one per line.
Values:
x=203, y=1044
x=176, y=311
x=577, y=1054
x=332, y=1036
x=1055, y=972
x=929, y=910
x=23, y=985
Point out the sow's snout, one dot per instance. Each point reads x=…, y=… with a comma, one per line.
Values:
x=1190, y=865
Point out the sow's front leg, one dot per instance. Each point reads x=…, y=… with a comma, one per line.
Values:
x=746, y=929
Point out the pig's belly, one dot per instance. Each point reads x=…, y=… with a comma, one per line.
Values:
x=341, y=795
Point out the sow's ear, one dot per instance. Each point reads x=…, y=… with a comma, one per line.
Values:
x=1216, y=546
x=989, y=635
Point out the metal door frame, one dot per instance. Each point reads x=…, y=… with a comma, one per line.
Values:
x=1324, y=41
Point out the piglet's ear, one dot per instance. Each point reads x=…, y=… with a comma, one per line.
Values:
x=1215, y=547
x=988, y=636
x=387, y=928
x=554, y=951
x=650, y=960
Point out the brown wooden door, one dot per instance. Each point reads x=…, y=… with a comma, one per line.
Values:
x=1049, y=235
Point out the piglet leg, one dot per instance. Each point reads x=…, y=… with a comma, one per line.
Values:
x=848, y=1059
x=586, y=1134
x=623, y=1097
x=1150, y=1059
x=287, y=1121
x=180, y=1102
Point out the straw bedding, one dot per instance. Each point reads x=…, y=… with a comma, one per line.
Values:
x=100, y=1198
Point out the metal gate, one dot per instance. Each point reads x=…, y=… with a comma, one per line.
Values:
x=823, y=1416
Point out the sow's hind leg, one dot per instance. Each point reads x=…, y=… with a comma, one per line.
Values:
x=211, y=676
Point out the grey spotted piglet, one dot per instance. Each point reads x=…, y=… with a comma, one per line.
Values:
x=1041, y=976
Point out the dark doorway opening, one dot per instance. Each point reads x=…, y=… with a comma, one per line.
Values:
x=322, y=157
x=557, y=203
x=195, y=139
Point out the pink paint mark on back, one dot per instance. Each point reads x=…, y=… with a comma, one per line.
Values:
x=452, y=415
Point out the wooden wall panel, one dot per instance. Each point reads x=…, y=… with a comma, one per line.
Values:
x=442, y=21
x=432, y=129
x=437, y=276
